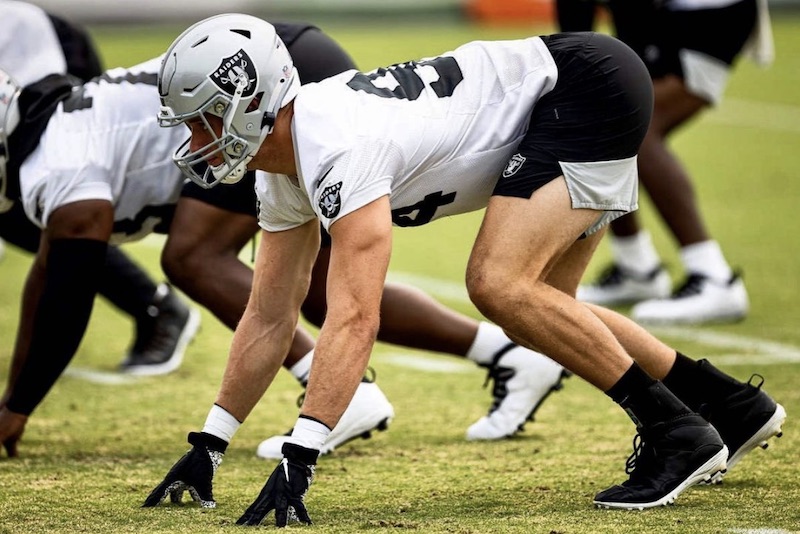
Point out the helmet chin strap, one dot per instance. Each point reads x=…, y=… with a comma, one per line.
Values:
x=237, y=173
x=5, y=202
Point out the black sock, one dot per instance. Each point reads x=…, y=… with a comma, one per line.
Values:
x=646, y=400
x=698, y=382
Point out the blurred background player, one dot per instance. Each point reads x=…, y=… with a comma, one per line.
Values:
x=33, y=44
x=689, y=47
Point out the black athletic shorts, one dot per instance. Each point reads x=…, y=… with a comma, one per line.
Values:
x=598, y=111
x=316, y=57
x=720, y=33
x=82, y=58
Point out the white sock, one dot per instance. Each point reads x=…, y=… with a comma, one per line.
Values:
x=635, y=253
x=706, y=258
x=489, y=339
x=302, y=368
x=309, y=433
x=221, y=423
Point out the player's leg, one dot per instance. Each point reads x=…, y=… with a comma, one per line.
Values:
x=689, y=73
x=521, y=379
x=165, y=323
x=529, y=255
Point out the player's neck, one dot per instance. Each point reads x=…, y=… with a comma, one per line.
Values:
x=276, y=154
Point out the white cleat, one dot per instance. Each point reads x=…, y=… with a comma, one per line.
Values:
x=368, y=410
x=699, y=300
x=618, y=286
x=523, y=379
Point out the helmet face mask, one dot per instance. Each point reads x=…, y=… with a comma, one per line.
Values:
x=9, y=119
x=234, y=67
x=228, y=146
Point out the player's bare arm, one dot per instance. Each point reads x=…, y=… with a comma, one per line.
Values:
x=360, y=256
x=262, y=339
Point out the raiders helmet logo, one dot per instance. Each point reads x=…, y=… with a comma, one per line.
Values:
x=329, y=201
x=514, y=164
x=231, y=69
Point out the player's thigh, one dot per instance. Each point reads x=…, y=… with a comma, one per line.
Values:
x=212, y=222
x=674, y=104
x=523, y=238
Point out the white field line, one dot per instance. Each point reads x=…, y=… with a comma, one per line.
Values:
x=427, y=363
x=752, y=113
x=99, y=377
x=760, y=531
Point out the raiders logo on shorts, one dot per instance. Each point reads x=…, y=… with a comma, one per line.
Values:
x=514, y=164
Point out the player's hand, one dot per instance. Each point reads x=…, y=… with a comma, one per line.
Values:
x=193, y=472
x=12, y=425
x=285, y=489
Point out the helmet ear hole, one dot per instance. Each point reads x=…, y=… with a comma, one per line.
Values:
x=255, y=102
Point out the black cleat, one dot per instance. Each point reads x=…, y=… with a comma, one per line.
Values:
x=744, y=420
x=668, y=458
x=162, y=337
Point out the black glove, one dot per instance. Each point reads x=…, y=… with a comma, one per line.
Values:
x=193, y=472
x=285, y=489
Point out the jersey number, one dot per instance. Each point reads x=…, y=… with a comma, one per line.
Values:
x=78, y=99
x=425, y=209
x=409, y=82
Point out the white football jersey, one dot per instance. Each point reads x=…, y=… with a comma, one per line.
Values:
x=433, y=134
x=104, y=142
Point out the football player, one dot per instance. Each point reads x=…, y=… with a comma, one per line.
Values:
x=542, y=132
x=34, y=44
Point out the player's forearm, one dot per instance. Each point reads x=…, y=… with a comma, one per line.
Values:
x=30, y=298
x=59, y=322
x=340, y=359
x=257, y=353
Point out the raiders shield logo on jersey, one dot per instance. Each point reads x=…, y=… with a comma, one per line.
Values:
x=329, y=201
x=514, y=165
x=231, y=69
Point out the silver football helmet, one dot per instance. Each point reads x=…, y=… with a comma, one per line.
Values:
x=234, y=67
x=9, y=119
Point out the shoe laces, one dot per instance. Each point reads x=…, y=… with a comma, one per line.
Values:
x=692, y=286
x=610, y=276
x=499, y=376
x=642, y=460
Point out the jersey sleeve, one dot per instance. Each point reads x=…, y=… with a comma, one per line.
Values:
x=282, y=203
x=354, y=179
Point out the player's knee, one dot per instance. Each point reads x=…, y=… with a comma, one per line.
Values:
x=178, y=263
x=485, y=289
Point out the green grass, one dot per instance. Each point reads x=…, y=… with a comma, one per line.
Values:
x=92, y=453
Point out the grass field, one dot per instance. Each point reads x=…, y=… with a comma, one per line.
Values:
x=92, y=451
